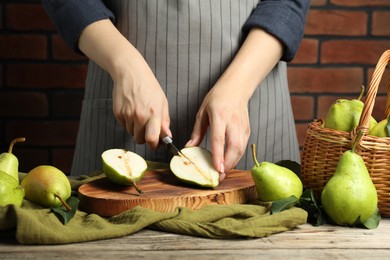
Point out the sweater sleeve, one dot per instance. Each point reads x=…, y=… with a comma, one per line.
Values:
x=70, y=17
x=284, y=19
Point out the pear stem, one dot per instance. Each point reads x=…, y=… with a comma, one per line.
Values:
x=253, y=146
x=362, y=92
x=13, y=142
x=358, y=137
x=68, y=208
x=137, y=188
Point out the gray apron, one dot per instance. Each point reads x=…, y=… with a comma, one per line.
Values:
x=187, y=44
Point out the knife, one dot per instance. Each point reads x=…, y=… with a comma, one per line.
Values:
x=171, y=147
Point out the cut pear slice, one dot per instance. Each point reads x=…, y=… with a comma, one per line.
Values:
x=123, y=167
x=194, y=165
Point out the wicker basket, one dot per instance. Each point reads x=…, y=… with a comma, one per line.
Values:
x=323, y=147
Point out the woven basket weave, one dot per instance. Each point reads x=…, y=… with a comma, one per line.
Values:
x=323, y=147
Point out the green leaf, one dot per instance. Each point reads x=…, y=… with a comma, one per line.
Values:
x=292, y=165
x=308, y=202
x=280, y=205
x=63, y=214
x=388, y=127
x=372, y=222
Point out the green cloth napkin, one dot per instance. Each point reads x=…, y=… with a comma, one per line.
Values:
x=32, y=224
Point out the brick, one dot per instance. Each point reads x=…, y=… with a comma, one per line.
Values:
x=325, y=80
x=27, y=16
x=62, y=159
x=67, y=104
x=1, y=17
x=361, y=2
x=384, y=83
x=301, y=129
x=23, y=47
x=2, y=137
x=380, y=23
x=23, y=104
x=379, y=109
x=303, y=107
x=44, y=133
x=61, y=51
x=353, y=51
x=318, y=2
x=335, y=22
x=1, y=75
x=307, y=52
x=30, y=158
x=46, y=75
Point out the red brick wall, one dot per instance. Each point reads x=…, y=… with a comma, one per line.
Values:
x=342, y=44
x=41, y=79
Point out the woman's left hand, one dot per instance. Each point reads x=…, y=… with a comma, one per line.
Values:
x=227, y=116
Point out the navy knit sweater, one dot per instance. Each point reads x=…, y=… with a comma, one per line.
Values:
x=285, y=19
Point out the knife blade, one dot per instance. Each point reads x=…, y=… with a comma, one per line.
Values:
x=169, y=144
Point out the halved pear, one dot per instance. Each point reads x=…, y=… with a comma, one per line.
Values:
x=195, y=166
x=123, y=167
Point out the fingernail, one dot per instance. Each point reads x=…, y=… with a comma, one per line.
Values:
x=222, y=168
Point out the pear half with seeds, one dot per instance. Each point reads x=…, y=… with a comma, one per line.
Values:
x=194, y=165
x=123, y=167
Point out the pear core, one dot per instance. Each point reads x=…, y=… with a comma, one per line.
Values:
x=123, y=167
x=194, y=165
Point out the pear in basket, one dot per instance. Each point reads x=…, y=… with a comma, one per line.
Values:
x=350, y=195
x=382, y=129
x=344, y=114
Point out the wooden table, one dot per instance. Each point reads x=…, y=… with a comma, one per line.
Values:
x=304, y=242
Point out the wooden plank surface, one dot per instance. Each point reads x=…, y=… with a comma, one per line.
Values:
x=304, y=242
x=163, y=191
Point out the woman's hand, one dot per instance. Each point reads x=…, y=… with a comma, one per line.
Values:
x=139, y=104
x=227, y=116
x=224, y=108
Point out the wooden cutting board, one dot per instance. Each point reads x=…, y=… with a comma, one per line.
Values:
x=163, y=192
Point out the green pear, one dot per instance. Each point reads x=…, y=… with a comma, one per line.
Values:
x=194, y=165
x=9, y=162
x=381, y=129
x=48, y=186
x=123, y=167
x=344, y=114
x=10, y=190
x=350, y=194
x=274, y=182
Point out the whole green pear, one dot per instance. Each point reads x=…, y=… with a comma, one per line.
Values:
x=48, y=186
x=10, y=190
x=274, y=182
x=9, y=162
x=350, y=193
x=381, y=129
x=344, y=115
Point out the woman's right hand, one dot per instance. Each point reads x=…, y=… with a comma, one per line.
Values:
x=139, y=104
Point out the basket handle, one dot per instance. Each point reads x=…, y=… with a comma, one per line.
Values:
x=364, y=122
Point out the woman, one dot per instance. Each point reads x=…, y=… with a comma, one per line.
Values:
x=209, y=73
